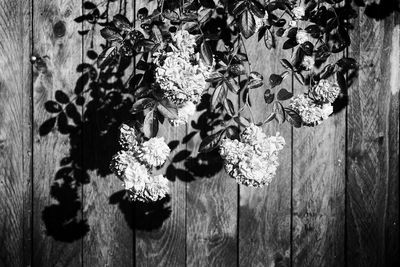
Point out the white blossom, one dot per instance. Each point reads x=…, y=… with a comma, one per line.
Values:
x=302, y=36
x=184, y=42
x=127, y=138
x=308, y=62
x=325, y=91
x=184, y=114
x=179, y=79
x=253, y=161
x=135, y=176
x=156, y=189
x=154, y=152
x=311, y=113
x=298, y=12
x=133, y=165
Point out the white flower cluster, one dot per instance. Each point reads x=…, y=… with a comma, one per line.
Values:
x=302, y=36
x=133, y=165
x=253, y=161
x=325, y=91
x=298, y=12
x=181, y=74
x=308, y=62
x=316, y=106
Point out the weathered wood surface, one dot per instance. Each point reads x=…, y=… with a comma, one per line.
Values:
x=56, y=195
x=264, y=213
x=334, y=202
x=110, y=241
x=372, y=208
x=15, y=133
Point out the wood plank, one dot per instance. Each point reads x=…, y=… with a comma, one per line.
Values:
x=15, y=133
x=110, y=241
x=211, y=205
x=57, y=225
x=264, y=213
x=373, y=145
x=318, y=198
x=161, y=234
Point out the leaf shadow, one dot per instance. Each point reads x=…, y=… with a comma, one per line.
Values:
x=90, y=119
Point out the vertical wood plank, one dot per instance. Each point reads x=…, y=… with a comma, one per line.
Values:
x=15, y=133
x=318, y=200
x=373, y=145
x=264, y=213
x=56, y=223
x=110, y=241
x=161, y=234
x=211, y=202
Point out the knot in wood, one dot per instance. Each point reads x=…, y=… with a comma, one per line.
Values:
x=59, y=29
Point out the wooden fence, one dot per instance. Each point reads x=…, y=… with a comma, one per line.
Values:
x=334, y=201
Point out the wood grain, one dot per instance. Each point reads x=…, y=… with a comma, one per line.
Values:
x=211, y=203
x=15, y=133
x=110, y=242
x=373, y=145
x=57, y=47
x=318, y=200
x=264, y=213
x=163, y=242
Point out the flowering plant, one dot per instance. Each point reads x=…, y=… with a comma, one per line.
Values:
x=185, y=49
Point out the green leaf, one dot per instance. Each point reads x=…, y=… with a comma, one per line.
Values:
x=142, y=104
x=229, y=107
x=232, y=132
x=150, y=124
x=270, y=118
x=168, y=112
x=268, y=97
x=207, y=3
x=284, y=94
x=257, y=9
x=269, y=39
x=204, y=15
x=239, y=8
x=308, y=48
x=255, y=80
x=242, y=121
x=232, y=85
x=210, y=142
x=146, y=44
x=110, y=34
x=289, y=44
x=299, y=77
x=275, y=79
x=237, y=69
x=253, y=84
x=215, y=77
x=293, y=118
x=105, y=58
x=286, y=64
x=206, y=53
x=218, y=95
x=277, y=108
x=347, y=63
x=327, y=71
x=122, y=23
x=247, y=24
